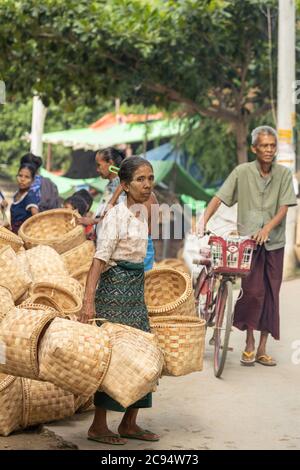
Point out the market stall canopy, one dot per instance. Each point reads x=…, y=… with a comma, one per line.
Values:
x=93, y=138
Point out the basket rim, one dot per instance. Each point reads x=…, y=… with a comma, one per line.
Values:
x=175, y=321
x=54, y=285
x=9, y=379
x=175, y=303
x=51, y=212
x=6, y=234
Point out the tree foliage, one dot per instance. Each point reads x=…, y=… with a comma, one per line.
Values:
x=209, y=58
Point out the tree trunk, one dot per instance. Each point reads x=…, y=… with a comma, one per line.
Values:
x=241, y=132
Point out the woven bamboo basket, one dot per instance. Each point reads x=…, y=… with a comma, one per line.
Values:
x=74, y=356
x=9, y=238
x=22, y=262
x=182, y=339
x=82, y=403
x=169, y=292
x=81, y=255
x=44, y=402
x=12, y=276
x=135, y=366
x=42, y=300
x=56, y=228
x=10, y=404
x=20, y=332
x=173, y=263
x=22, y=299
x=66, y=292
x=44, y=261
x=6, y=302
x=81, y=275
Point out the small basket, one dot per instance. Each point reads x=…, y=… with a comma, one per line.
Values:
x=135, y=366
x=42, y=301
x=56, y=228
x=10, y=404
x=74, y=356
x=232, y=256
x=66, y=292
x=12, y=275
x=44, y=261
x=81, y=255
x=6, y=302
x=20, y=332
x=44, y=402
x=174, y=263
x=182, y=340
x=169, y=292
x=9, y=238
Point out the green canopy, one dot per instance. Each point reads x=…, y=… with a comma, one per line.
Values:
x=93, y=139
x=170, y=173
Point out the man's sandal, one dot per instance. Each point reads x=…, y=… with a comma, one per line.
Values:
x=266, y=360
x=248, y=358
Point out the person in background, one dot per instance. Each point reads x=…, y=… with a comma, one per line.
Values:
x=25, y=203
x=82, y=202
x=105, y=158
x=45, y=190
x=115, y=289
x=263, y=191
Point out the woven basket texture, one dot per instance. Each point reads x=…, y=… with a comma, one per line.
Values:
x=43, y=301
x=182, y=339
x=44, y=402
x=74, y=356
x=10, y=404
x=82, y=403
x=81, y=255
x=174, y=263
x=22, y=299
x=20, y=332
x=56, y=228
x=9, y=238
x=169, y=292
x=66, y=292
x=44, y=261
x=81, y=275
x=12, y=275
x=135, y=366
x=6, y=302
x=23, y=262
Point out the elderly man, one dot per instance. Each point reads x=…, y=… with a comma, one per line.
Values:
x=264, y=191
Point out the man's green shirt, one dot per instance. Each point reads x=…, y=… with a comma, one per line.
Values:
x=259, y=198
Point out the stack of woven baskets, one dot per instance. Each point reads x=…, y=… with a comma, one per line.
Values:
x=179, y=332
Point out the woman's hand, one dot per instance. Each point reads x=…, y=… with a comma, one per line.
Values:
x=87, y=312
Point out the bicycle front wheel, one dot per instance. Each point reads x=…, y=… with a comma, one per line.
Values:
x=223, y=319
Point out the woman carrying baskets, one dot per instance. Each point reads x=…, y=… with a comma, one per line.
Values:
x=118, y=269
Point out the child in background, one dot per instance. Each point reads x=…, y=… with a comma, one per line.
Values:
x=25, y=203
x=82, y=202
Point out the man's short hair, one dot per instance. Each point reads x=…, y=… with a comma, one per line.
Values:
x=262, y=130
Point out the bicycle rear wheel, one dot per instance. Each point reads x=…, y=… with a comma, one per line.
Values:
x=223, y=319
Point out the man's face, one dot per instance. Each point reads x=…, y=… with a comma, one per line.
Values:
x=265, y=148
x=102, y=166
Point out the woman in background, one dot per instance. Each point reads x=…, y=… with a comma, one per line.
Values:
x=25, y=203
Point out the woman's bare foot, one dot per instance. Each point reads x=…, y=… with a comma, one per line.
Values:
x=135, y=432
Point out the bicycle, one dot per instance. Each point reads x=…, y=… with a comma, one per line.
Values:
x=224, y=261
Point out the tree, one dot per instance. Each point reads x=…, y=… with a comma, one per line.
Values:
x=208, y=58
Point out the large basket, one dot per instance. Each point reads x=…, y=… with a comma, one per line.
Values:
x=9, y=238
x=44, y=402
x=135, y=366
x=174, y=263
x=81, y=255
x=74, y=356
x=43, y=301
x=81, y=275
x=20, y=332
x=169, y=292
x=182, y=339
x=44, y=261
x=12, y=275
x=56, y=228
x=82, y=403
x=66, y=292
x=6, y=302
x=10, y=404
